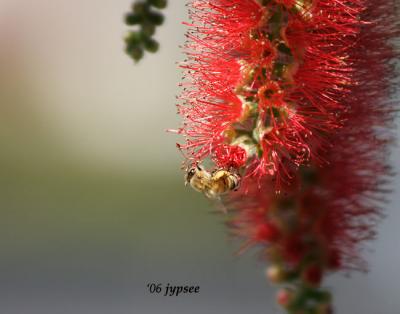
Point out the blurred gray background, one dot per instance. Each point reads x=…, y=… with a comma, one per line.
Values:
x=92, y=203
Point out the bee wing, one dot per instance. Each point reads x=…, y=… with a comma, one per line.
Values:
x=221, y=207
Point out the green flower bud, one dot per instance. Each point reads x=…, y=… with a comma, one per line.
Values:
x=148, y=29
x=159, y=4
x=151, y=45
x=140, y=8
x=133, y=19
x=133, y=39
x=136, y=53
x=155, y=18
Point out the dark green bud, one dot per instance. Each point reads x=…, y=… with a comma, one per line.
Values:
x=159, y=4
x=140, y=8
x=133, y=38
x=148, y=29
x=155, y=18
x=133, y=19
x=136, y=53
x=151, y=45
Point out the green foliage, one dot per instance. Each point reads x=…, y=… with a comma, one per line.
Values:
x=145, y=17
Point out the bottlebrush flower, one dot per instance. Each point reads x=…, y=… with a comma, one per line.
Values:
x=294, y=96
x=270, y=78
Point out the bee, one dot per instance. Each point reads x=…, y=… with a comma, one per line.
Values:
x=213, y=184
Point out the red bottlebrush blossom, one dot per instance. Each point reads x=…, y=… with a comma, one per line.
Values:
x=228, y=156
x=294, y=95
x=213, y=71
x=270, y=78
